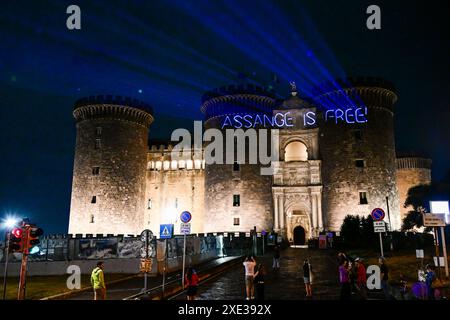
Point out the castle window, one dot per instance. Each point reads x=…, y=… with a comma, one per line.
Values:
x=149, y=205
x=92, y=218
x=236, y=200
x=98, y=131
x=295, y=151
x=98, y=143
x=236, y=221
x=95, y=171
x=359, y=163
x=94, y=199
x=363, y=198
x=236, y=167
x=358, y=135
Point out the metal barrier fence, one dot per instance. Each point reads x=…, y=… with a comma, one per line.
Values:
x=67, y=247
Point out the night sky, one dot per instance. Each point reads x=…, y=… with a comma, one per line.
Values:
x=168, y=53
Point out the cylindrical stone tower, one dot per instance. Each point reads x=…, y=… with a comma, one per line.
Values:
x=411, y=172
x=357, y=148
x=237, y=196
x=108, y=188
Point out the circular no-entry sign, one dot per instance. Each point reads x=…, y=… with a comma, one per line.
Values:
x=185, y=216
x=377, y=214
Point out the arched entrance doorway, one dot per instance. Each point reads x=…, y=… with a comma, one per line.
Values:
x=299, y=236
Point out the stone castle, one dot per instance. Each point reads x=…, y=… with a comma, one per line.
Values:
x=335, y=164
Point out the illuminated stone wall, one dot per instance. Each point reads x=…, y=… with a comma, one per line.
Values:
x=342, y=144
x=411, y=172
x=222, y=182
x=174, y=186
x=119, y=150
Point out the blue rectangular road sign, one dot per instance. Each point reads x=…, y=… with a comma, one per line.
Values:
x=165, y=231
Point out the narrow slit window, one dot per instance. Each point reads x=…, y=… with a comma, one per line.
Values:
x=95, y=171
x=149, y=205
x=358, y=135
x=98, y=131
x=236, y=221
x=363, y=198
x=359, y=163
x=236, y=200
x=94, y=199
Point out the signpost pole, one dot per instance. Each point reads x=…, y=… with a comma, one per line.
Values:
x=164, y=269
x=381, y=244
x=184, y=261
x=263, y=239
x=5, y=276
x=146, y=257
x=436, y=242
x=444, y=251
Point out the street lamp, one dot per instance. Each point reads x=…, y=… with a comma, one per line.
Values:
x=9, y=223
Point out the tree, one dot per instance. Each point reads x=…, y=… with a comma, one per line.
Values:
x=350, y=232
x=357, y=232
x=419, y=198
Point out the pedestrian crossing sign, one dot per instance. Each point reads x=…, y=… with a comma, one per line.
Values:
x=166, y=231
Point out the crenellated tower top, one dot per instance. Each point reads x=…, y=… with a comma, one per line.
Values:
x=115, y=107
x=371, y=92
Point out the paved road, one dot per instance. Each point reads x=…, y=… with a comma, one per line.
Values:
x=285, y=284
x=126, y=288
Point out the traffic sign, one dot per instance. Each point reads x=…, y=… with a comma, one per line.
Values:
x=377, y=214
x=185, y=228
x=419, y=254
x=146, y=237
x=379, y=226
x=146, y=265
x=434, y=220
x=165, y=231
x=185, y=216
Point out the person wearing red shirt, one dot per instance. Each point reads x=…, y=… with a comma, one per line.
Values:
x=361, y=278
x=191, y=282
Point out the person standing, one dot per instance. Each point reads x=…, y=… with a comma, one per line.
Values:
x=361, y=278
x=191, y=282
x=430, y=277
x=249, y=265
x=384, y=275
x=98, y=282
x=276, y=258
x=344, y=279
x=307, y=277
x=259, y=282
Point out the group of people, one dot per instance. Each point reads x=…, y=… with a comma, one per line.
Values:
x=353, y=278
x=255, y=273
